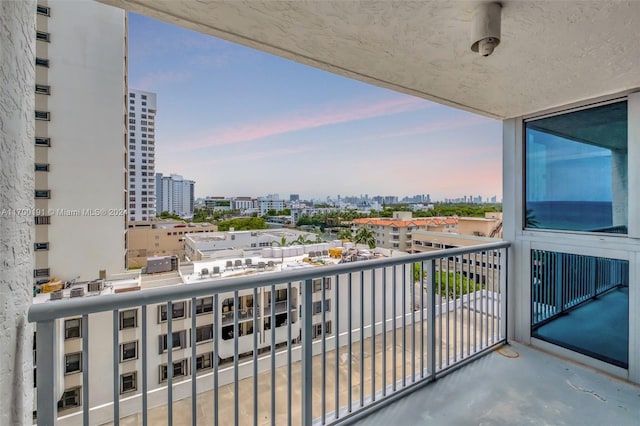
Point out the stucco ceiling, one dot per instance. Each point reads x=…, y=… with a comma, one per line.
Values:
x=551, y=53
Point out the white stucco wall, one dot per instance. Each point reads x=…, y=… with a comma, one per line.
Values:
x=17, y=74
x=87, y=152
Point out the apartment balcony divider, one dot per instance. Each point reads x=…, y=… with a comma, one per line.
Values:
x=394, y=324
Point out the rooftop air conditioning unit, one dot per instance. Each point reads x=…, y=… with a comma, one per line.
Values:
x=56, y=295
x=95, y=286
x=77, y=292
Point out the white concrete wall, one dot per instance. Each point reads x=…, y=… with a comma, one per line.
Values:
x=87, y=151
x=17, y=68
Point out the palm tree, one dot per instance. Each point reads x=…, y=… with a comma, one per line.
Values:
x=345, y=234
x=365, y=236
x=282, y=243
x=301, y=240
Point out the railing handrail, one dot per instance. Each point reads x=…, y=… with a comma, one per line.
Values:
x=87, y=305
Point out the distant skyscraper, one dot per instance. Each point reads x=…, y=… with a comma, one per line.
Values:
x=142, y=186
x=176, y=195
x=294, y=197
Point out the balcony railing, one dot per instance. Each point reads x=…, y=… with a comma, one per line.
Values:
x=392, y=325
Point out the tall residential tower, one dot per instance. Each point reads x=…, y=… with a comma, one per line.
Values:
x=80, y=113
x=142, y=189
x=175, y=194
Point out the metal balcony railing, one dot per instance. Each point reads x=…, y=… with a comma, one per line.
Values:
x=391, y=325
x=562, y=281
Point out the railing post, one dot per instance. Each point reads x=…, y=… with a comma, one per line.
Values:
x=307, y=353
x=46, y=377
x=559, y=284
x=431, y=303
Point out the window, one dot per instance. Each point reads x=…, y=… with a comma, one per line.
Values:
x=42, y=220
x=561, y=151
x=317, y=284
x=132, y=121
x=179, y=341
x=43, y=89
x=43, y=193
x=129, y=351
x=41, y=167
x=178, y=311
x=204, y=305
x=41, y=62
x=43, y=141
x=70, y=398
x=44, y=10
x=317, y=306
x=43, y=115
x=204, y=361
x=143, y=97
x=128, y=319
x=73, y=328
x=42, y=36
x=73, y=363
x=40, y=246
x=179, y=369
x=204, y=333
x=42, y=272
x=317, y=329
x=128, y=382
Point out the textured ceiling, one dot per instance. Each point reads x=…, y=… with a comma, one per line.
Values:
x=551, y=53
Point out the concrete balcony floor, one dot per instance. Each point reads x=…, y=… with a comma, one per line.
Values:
x=517, y=385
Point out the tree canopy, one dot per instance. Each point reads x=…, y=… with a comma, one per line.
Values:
x=242, y=224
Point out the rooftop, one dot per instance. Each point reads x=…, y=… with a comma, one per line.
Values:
x=431, y=221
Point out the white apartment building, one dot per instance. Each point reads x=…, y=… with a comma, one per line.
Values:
x=328, y=295
x=243, y=203
x=214, y=244
x=80, y=94
x=175, y=195
x=141, y=129
x=270, y=204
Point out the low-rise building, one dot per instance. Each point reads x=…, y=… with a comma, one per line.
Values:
x=217, y=244
x=160, y=238
x=395, y=232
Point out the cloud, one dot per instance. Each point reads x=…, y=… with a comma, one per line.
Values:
x=151, y=81
x=191, y=162
x=329, y=115
x=436, y=126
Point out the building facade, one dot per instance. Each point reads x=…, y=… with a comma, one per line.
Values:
x=395, y=233
x=80, y=216
x=177, y=195
x=149, y=239
x=141, y=130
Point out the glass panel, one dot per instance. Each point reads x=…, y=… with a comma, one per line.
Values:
x=581, y=303
x=576, y=170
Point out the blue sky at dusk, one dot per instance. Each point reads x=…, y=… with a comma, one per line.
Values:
x=242, y=122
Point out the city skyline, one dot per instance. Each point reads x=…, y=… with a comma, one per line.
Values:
x=243, y=122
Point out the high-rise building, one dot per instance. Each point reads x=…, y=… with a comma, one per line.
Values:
x=176, y=195
x=80, y=97
x=141, y=129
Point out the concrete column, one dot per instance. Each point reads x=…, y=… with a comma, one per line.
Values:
x=17, y=77
x=619, y=187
